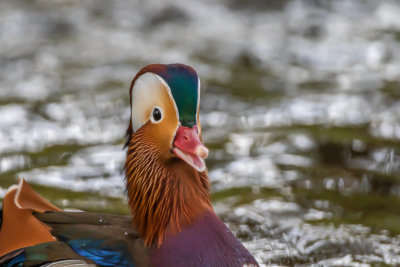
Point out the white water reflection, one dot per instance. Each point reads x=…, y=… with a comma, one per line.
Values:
x=286, y=240
x=96, y=169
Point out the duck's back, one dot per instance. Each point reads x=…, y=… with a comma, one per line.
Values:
x=34, y=232
x=101, y=239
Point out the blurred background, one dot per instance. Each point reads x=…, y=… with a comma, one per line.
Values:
x=300, y=108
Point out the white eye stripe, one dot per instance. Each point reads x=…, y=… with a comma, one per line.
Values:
x=147, y=93
x=153, y=115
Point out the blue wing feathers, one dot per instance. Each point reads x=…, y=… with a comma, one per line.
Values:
x=100, y=254
x=16, y=261
x=94, y=250
x=80, y=236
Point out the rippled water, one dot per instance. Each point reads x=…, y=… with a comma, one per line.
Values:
x=300, y=107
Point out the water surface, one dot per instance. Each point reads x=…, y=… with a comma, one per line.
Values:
x=300, y=108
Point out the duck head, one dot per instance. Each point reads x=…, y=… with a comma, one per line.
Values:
x=166, y=176
x=165, y=103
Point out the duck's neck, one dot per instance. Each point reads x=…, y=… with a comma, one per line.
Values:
x=164, y=196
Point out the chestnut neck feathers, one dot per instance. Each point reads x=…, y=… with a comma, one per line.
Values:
x=164, y=195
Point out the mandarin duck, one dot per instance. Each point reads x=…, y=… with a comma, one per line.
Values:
x=172, y=222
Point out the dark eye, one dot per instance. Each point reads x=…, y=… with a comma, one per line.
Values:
x=157, y=114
